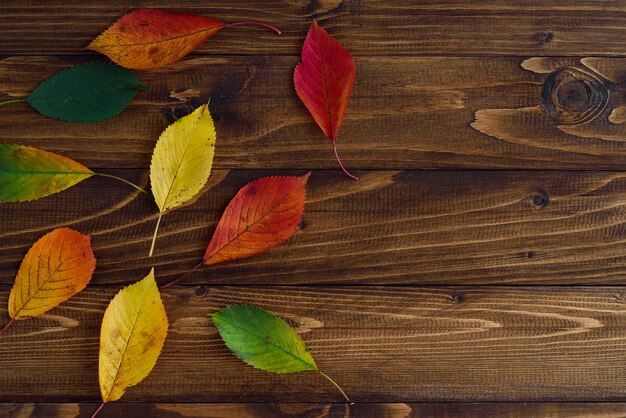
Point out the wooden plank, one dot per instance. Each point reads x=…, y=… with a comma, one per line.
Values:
x=435, y=27
x=303, y=410
x=381, y=344
x=448, y=227
x=406, y=113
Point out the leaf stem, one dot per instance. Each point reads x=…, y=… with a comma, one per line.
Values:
x=6, y=326
x=12, y=101
x=122, y=180
x=98, y=410
x=156, y=229
x=336, y=385
x=340, y=164
x=183, y=277
x=250, y=22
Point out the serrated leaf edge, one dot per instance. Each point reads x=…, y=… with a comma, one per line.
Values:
x=214, y=314
x=152, y=157
x=16, y=315
x=139, y=87
x=303, y=179
x=89, y=47
x=90, y=172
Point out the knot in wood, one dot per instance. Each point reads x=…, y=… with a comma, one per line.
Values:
x=201, y=291
x=539, y=199
x=574, y=96
x=179, y=110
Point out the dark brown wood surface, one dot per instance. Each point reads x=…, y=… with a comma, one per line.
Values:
x=477, y=269
x=398, y=27
x=415, y=113
x=390, y=227
x=382, y=344
x=319, y=410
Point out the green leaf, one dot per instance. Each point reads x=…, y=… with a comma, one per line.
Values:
x=89, y=92
x=28, y=173
x=264, y=341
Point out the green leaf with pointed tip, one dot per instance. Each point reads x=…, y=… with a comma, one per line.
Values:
x=263, y=340
x=28, y=173
x=89, y=92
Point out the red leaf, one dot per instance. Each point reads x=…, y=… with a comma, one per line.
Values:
x=324, y=80
x=262, y=215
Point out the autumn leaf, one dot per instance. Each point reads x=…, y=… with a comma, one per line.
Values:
x=264, y=341
x=262, y=215
x=55, y=268
x=28, y=173
x=90, y=92
x=150, y=38
x=133, y=332
x=182, y=161
x=323, y=81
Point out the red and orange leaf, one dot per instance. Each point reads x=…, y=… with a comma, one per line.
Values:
x=55, y=268
x=262, y=215
x=324, y=81
x=150, y=38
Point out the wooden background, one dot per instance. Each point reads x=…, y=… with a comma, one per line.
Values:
x=477, y=269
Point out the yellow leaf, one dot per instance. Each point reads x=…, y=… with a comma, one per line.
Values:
x=182, y=161
x=133, y=332
x=55, y=268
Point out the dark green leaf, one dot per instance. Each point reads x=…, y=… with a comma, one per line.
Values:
x=89, y=92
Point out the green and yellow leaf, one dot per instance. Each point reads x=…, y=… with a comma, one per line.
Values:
x=28, y=173
x=264, y=341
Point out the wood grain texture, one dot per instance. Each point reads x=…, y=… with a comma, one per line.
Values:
x=435, y=27
x=319, y=410
x=445, y=227
x=405, y=113
x=381, y=344
x=519, y=106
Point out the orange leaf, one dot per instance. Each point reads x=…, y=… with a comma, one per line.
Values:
x=262, y=215
x=323, y=81
x=55, y=268
x=150, y=38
